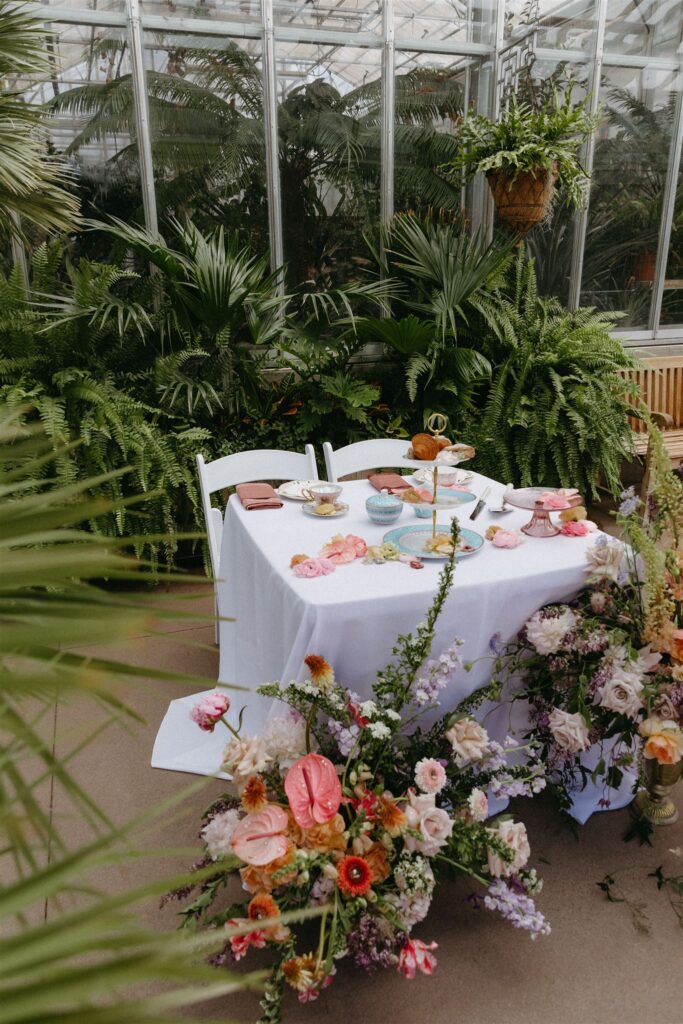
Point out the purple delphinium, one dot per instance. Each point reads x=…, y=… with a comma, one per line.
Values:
x=629, y=501
x=511, y=899
x=345, y=736
x=496, y=644
x=373, y=944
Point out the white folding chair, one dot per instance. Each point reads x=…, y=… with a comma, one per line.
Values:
x=244, y=468
x=382, y=453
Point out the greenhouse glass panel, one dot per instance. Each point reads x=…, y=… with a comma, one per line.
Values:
x=433, y=91
x=568, y=26
x=672, y=299
x=329, y=123
x=348, y=16
x=236, y=12
x=444, y=23
x=627, y=191
x=647, y=28
x=206, y=116
x=89, y=92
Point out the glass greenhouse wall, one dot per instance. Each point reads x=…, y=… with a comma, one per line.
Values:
x=303, y=124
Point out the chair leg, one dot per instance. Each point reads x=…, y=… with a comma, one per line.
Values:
x=216, y=624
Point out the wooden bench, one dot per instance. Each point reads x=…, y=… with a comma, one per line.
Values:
x=661, y=386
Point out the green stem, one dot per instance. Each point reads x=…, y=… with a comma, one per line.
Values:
x=309, y=725
x=461, y=867
x=228, y=726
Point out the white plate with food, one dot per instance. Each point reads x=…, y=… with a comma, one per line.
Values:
x=294, y=489
x=325, y=510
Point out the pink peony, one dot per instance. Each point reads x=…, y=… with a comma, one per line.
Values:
x=313, y=790
x=239, y=944
x=430, y=775
x=209, y=710
x=553, y=502
x=314, y=567
x=357, y=543
x=578, y=529
x=416, y=956
x=506, y=539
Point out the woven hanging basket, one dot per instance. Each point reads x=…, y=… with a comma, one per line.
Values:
x=522, y=203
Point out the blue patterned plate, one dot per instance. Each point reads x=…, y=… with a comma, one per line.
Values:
x=411, y=540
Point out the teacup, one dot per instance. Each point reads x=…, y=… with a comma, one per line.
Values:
x=323, y=492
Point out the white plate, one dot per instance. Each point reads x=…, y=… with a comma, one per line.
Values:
x=341, y=510
x=426, y=476
x=293, y=489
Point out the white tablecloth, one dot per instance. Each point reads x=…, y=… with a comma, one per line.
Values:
x=353, y=616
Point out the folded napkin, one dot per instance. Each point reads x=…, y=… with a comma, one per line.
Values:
x=391, y=482
x=255, y=496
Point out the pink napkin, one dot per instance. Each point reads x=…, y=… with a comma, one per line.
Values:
x=255, y=496
x=391, y=482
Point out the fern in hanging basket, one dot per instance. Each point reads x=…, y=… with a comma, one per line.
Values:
x=526, y=154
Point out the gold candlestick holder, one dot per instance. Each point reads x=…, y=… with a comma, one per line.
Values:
x=654, y=802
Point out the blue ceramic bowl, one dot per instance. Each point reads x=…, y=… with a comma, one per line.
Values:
x=383, y=508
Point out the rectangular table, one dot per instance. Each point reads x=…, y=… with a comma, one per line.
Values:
x=353, y=616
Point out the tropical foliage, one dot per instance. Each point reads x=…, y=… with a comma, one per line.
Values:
x=557, y=407
x=91, y=958
x=34, y=185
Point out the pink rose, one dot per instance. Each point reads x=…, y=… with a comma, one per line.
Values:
x=506, y=539
x=209, y=710
x=578, y=529
x=433, y=824
x=416, y=956
x=313, y=567
x=513, y=835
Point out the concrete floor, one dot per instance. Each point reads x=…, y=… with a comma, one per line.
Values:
x=595, y=968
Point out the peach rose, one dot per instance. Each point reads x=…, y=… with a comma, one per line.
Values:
x=663, y=740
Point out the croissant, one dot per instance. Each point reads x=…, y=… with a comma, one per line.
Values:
x=443, y=442
x=424, y=447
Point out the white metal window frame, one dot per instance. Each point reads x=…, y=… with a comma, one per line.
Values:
x=269, y=32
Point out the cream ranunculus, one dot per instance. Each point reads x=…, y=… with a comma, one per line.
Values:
x=546, y=633
x=245, y=756
x=469, y=740
x=433, y=824
x=570, y=732
x=622, y=693
x=513, y=834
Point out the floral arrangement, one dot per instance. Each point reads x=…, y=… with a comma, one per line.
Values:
x=347, y=809
x=342, y=550
x=608, y=669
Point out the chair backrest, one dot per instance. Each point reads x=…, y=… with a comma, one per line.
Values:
x=381, y=453
x=660, y=380
x=243, y=468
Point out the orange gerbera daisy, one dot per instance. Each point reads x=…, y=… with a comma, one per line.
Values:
x=321, y=671
x=263, y=906
x=254, y=796
x=354, y=876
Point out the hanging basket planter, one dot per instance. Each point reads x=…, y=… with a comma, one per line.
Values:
x=522, y=202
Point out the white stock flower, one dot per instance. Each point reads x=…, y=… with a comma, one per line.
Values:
x=410, y=909
x=218, y=833
x=547, y=633
x=570, y=732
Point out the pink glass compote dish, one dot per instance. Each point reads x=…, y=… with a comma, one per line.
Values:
x=542, y=501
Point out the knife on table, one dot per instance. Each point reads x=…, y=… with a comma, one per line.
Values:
x=480, y=504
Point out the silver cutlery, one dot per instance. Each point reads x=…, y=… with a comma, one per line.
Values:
x=503, y=507
x=480, y=504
